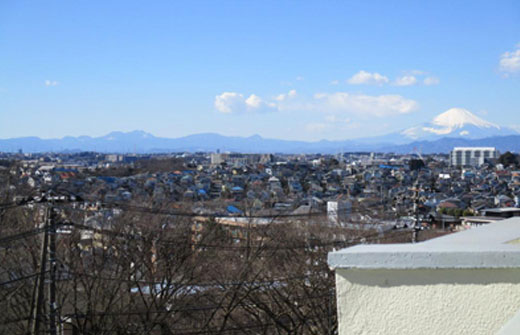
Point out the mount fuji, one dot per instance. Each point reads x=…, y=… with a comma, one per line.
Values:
x=456, y=123
x=454, y=127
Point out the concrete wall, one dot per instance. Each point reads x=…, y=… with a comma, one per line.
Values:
x=426, y=301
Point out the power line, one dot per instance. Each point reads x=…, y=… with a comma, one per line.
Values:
x=10, y=321
x=22, y=235
x=180, y=309
x=178, y=285
x=169, y=311
x=166, y=311
x=21, y=278
x=13, y=204
x=26, y=200
x=192, y=214
x=192, y=331
x=376, y=236
x=158, y=211
x=216, y=215
x=309, y=245
x=8, y=205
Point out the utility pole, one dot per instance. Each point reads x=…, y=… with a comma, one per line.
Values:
x=52, y=274
x=47, y=254
x=248, y=249
x=36, y=309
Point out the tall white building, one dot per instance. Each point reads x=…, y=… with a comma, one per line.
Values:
x=338, y=211
x=472, y=156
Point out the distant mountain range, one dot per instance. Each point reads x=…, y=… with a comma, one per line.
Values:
x=455, y=127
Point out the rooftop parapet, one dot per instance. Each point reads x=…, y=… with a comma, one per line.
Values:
x=463, y=283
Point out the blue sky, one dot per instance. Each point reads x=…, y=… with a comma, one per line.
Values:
x=304, y=70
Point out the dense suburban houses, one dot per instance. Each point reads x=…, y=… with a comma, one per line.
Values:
x=250, y=229
x=435, y=191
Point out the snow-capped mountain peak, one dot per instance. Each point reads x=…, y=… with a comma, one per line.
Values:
x=459, y=117
x=456, y=122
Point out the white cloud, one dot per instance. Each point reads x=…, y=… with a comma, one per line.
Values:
x=510, y=61
x=415, y=77
x=253, y=101
x=228, y=102
x=233, y=102
x=409, y=78
x=334, y=82
x=428, y=81
x=379, y=106
x=406, y=81
x=300, y=78
x=363, y=77
x=49, y=83
x=282, y=97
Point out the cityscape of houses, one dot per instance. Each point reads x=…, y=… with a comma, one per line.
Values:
x=368, y=187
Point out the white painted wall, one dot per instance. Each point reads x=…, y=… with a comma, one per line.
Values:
x=426, y=301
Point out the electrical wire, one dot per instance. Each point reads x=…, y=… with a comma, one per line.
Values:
x=21, y=278
x=22, y=235
x=178, y=285
x=309, y=245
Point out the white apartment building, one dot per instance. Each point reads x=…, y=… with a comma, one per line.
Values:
x=338, y=211
x=471, y=156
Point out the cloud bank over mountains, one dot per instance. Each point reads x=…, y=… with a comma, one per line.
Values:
x=337, y=103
